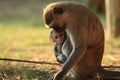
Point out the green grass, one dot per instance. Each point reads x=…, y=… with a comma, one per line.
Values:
x=20, y=38
x=116, y=42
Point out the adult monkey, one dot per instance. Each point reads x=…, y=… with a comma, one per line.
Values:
x=86, y=34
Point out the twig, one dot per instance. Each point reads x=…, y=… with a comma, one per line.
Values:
x=36, y=62
x=43, y=62
x=111, y=66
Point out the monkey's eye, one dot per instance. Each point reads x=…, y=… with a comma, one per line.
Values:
x=58, y=10
x=56, y=37
x=61, y=35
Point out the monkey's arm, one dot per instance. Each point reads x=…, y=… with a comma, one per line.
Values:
x=60, y=57
x=73, y=59
x=57, y=49
x=56, y=52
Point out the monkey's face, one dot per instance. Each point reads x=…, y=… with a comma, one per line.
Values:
x=58, y=37
x=55, y=17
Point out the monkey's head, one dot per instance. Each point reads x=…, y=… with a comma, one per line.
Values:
x=57, y=37
x=55, y=16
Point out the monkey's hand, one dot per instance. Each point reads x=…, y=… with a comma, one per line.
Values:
x=61, y=59
x=59, y=76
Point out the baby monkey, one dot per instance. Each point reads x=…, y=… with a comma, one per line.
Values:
x=59, y=38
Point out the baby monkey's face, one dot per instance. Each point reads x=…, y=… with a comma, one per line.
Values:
x=58, y=37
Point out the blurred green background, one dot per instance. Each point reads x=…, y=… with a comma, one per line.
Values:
x=24, y=36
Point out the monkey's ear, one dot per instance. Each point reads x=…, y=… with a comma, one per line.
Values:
x=51, y=39
x=58, y=10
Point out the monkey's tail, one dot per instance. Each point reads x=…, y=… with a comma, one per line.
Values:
x=108, y=74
